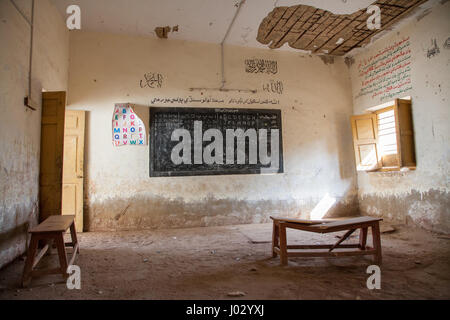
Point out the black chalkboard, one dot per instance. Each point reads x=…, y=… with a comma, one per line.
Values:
x=192, y=121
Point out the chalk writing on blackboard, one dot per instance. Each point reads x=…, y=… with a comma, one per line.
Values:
x=207, y=141
x=387, y=73
x=261, y=66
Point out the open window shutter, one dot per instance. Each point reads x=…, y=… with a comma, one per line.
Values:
x=365, y=142
x=405, y=135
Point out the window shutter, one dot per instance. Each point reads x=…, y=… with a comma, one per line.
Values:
x=365, y=142
x=405, y=135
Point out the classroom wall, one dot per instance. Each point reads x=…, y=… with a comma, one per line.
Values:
x=20, y=127
x=419, y=197
x=316, y=105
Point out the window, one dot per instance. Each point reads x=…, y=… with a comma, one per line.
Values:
x=384, y=140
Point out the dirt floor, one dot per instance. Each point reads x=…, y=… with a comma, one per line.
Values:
x=209, y=263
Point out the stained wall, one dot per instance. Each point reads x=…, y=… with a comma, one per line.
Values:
x=316, y=105
x=20, y=127
x=419, y=197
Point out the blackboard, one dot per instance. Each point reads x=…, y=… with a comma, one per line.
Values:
x=265, y=122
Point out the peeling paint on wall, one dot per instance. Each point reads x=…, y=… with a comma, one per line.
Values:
x=447, y=43
x=429, y=210
x=312, y=29
x=327, y=59
x=20, y=129
x=433, y=50
x=419, y=197
x=317, y=156
x=349, y=61
x=146, y=212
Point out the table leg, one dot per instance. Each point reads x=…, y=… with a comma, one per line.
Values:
x=377, y=242
x=283, y=244
x=363, y=238
x=59, y=239
x=73, y=234
x=31, y=253
x=275, y=239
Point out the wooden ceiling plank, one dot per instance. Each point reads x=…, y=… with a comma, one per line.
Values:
x=313, y=32
x=272, y=20
x=309, y=19
x=278, y=32
x=345, y=34
x=294, y=18
x=289, y=34
x=331, y=42
x=303, y=21
x=325, y=35
x=311, y=29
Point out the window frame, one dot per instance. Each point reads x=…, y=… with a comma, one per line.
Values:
x=399, y=132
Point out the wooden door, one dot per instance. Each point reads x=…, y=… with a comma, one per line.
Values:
x=52, y=139
x=72, y=196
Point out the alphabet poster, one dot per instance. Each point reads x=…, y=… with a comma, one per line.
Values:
x=128, y=128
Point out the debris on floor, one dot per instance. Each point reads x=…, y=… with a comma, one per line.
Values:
x=387, y=228
x=236, y=294
x=188, y=270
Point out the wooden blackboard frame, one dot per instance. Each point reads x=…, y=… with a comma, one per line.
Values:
x=224, y=171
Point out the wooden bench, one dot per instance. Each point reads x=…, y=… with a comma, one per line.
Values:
x=280, y=246
x=51, y=231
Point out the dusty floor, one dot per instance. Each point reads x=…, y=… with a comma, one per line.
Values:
x=208, y=263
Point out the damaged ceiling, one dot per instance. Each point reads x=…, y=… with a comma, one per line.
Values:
x=285, y=24
x=320, y=31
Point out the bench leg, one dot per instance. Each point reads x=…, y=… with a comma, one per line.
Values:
x=363, y=238
x=31, y=254
x=50, y=246
x=283, y=244
x=275, y=237
x=73, y=234
x=377, y=242
x=59, y=240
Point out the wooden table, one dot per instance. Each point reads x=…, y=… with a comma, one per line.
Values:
x=50, y=231
x=280, y=246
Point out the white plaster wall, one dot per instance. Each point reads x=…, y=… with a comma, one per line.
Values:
x=316, y=105
x=420, y=196
x=19, y=126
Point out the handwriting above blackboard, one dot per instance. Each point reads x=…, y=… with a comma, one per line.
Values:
x=213, y=141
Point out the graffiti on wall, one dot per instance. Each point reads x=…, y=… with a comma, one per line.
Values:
x=151, y=80
x=273, y=87
x=261, y=66
x=447, y=43
x=386, y=74
x=209, y=100
x=433, y=50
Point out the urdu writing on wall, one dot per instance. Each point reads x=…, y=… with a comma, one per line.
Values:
x=387, y=74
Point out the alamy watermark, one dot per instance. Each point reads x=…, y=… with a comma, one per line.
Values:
x=374, y=281
x=74, y=19
x=374, y=21
x=74, y=279
x=213, y=153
